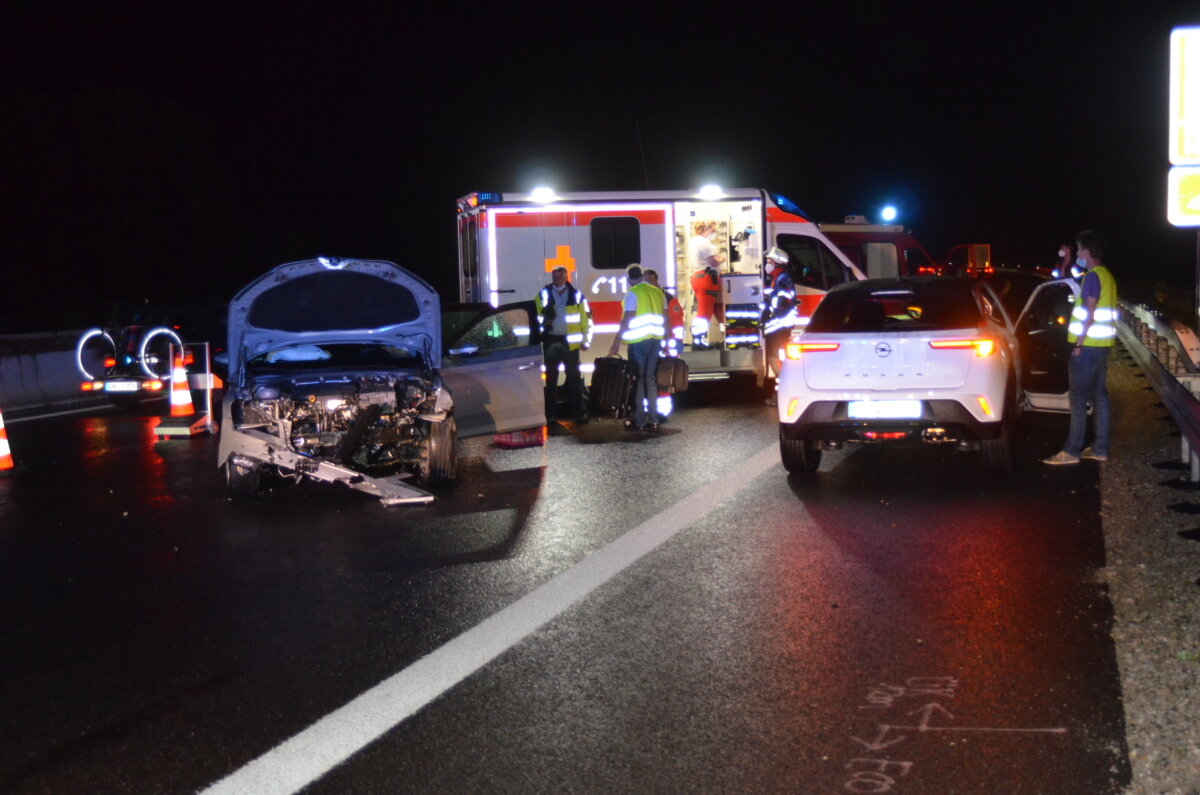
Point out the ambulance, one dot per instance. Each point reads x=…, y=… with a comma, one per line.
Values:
x=509, y=242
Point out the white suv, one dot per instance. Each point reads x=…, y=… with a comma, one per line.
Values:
x=943, y=360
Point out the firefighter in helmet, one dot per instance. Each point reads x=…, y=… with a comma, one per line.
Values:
x=779, y=310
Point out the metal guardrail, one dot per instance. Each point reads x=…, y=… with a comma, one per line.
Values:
x=1167, y=353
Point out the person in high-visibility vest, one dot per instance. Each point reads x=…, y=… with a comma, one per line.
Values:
x=779, y=311
x=1092, y=332
x=565, y=320
x=643, y=326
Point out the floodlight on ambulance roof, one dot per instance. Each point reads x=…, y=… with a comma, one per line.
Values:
x=543, y=195
x=710, y=192
x=888, y=214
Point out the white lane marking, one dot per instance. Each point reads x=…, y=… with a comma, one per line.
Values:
x=301, y=760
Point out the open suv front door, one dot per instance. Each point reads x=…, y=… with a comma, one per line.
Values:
x=492, y=363
x=1042, y=334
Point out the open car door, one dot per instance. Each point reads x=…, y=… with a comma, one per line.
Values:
x=492, y=363
x=1042, y=334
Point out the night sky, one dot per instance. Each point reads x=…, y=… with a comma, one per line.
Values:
x=150, y=153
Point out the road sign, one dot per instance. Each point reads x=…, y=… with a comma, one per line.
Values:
x=1183, y=196
x=1184, y=129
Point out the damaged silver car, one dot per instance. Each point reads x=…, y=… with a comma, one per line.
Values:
x=337, y=373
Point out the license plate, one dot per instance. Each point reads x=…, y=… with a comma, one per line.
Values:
x=885, y=409
x=120, y=386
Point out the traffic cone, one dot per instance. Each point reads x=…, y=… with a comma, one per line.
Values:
x=181, y=395
x=6, y=462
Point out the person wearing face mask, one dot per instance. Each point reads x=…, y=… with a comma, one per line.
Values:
x=705, y=264
x=779, y=311
x=1092, y=332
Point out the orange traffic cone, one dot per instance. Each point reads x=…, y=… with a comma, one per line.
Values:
x=181, y=395
x=6, y=462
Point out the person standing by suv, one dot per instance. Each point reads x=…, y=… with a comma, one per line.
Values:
x=1092, y=331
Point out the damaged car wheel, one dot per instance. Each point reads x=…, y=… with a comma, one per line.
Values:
x=439, y=457
x=241, y=481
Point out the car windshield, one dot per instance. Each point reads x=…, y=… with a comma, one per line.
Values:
x=898, y=306
x=339, y=356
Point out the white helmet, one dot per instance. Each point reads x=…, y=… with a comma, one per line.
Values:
x=776, y=254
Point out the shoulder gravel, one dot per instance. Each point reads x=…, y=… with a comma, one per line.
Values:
x=1153, y=573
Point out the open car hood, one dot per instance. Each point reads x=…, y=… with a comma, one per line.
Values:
x=328, y=300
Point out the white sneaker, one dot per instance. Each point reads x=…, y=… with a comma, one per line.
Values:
x=1089, y=454
x=1060, y=458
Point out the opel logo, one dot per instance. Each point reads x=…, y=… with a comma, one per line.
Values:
x=883, y=350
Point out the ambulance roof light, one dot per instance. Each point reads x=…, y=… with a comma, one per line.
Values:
x=888, y=214
x=543, y=195
x=710, y=192
x=473, y=200
x=787, y=205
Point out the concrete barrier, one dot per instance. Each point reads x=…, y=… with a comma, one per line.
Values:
x=38, y=371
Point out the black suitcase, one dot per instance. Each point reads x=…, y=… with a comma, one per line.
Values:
x=611, y=393
x=672, y=375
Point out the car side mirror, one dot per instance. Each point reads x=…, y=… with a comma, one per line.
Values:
x=221, y=358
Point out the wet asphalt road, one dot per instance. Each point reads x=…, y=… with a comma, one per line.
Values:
x=902, y=622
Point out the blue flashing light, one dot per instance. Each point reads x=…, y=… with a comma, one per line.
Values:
x=787, y=205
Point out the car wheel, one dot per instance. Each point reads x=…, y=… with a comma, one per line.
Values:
x=439, y=459
x=800, y=456
x=997, y=453
x=241, y=481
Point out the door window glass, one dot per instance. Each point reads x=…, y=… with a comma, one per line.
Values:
x=498, y=331
x=804, y=258
x=616, y=242
x=882, y=261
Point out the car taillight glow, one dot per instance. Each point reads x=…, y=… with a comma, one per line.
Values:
x=884, y=435
x=986, y=405
x=110, y=362
x=796, y=349
x=153, y=386
x=983, y=346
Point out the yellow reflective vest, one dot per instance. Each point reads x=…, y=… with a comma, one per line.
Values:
x=579, y=315
x=649, y=323
x=1103, y=331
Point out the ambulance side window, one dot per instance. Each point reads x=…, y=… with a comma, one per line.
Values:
x=835, y=272
x=813, y=265
x=616, y=242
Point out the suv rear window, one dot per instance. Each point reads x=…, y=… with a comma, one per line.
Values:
x=899, y=307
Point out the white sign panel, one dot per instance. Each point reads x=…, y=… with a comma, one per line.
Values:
x=1184, y=130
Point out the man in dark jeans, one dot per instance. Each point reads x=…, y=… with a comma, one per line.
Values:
x=566, y=324
x=1093, y=330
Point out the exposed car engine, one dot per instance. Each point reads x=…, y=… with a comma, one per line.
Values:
x=364, y=422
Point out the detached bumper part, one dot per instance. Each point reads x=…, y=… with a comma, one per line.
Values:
x=259, y=447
